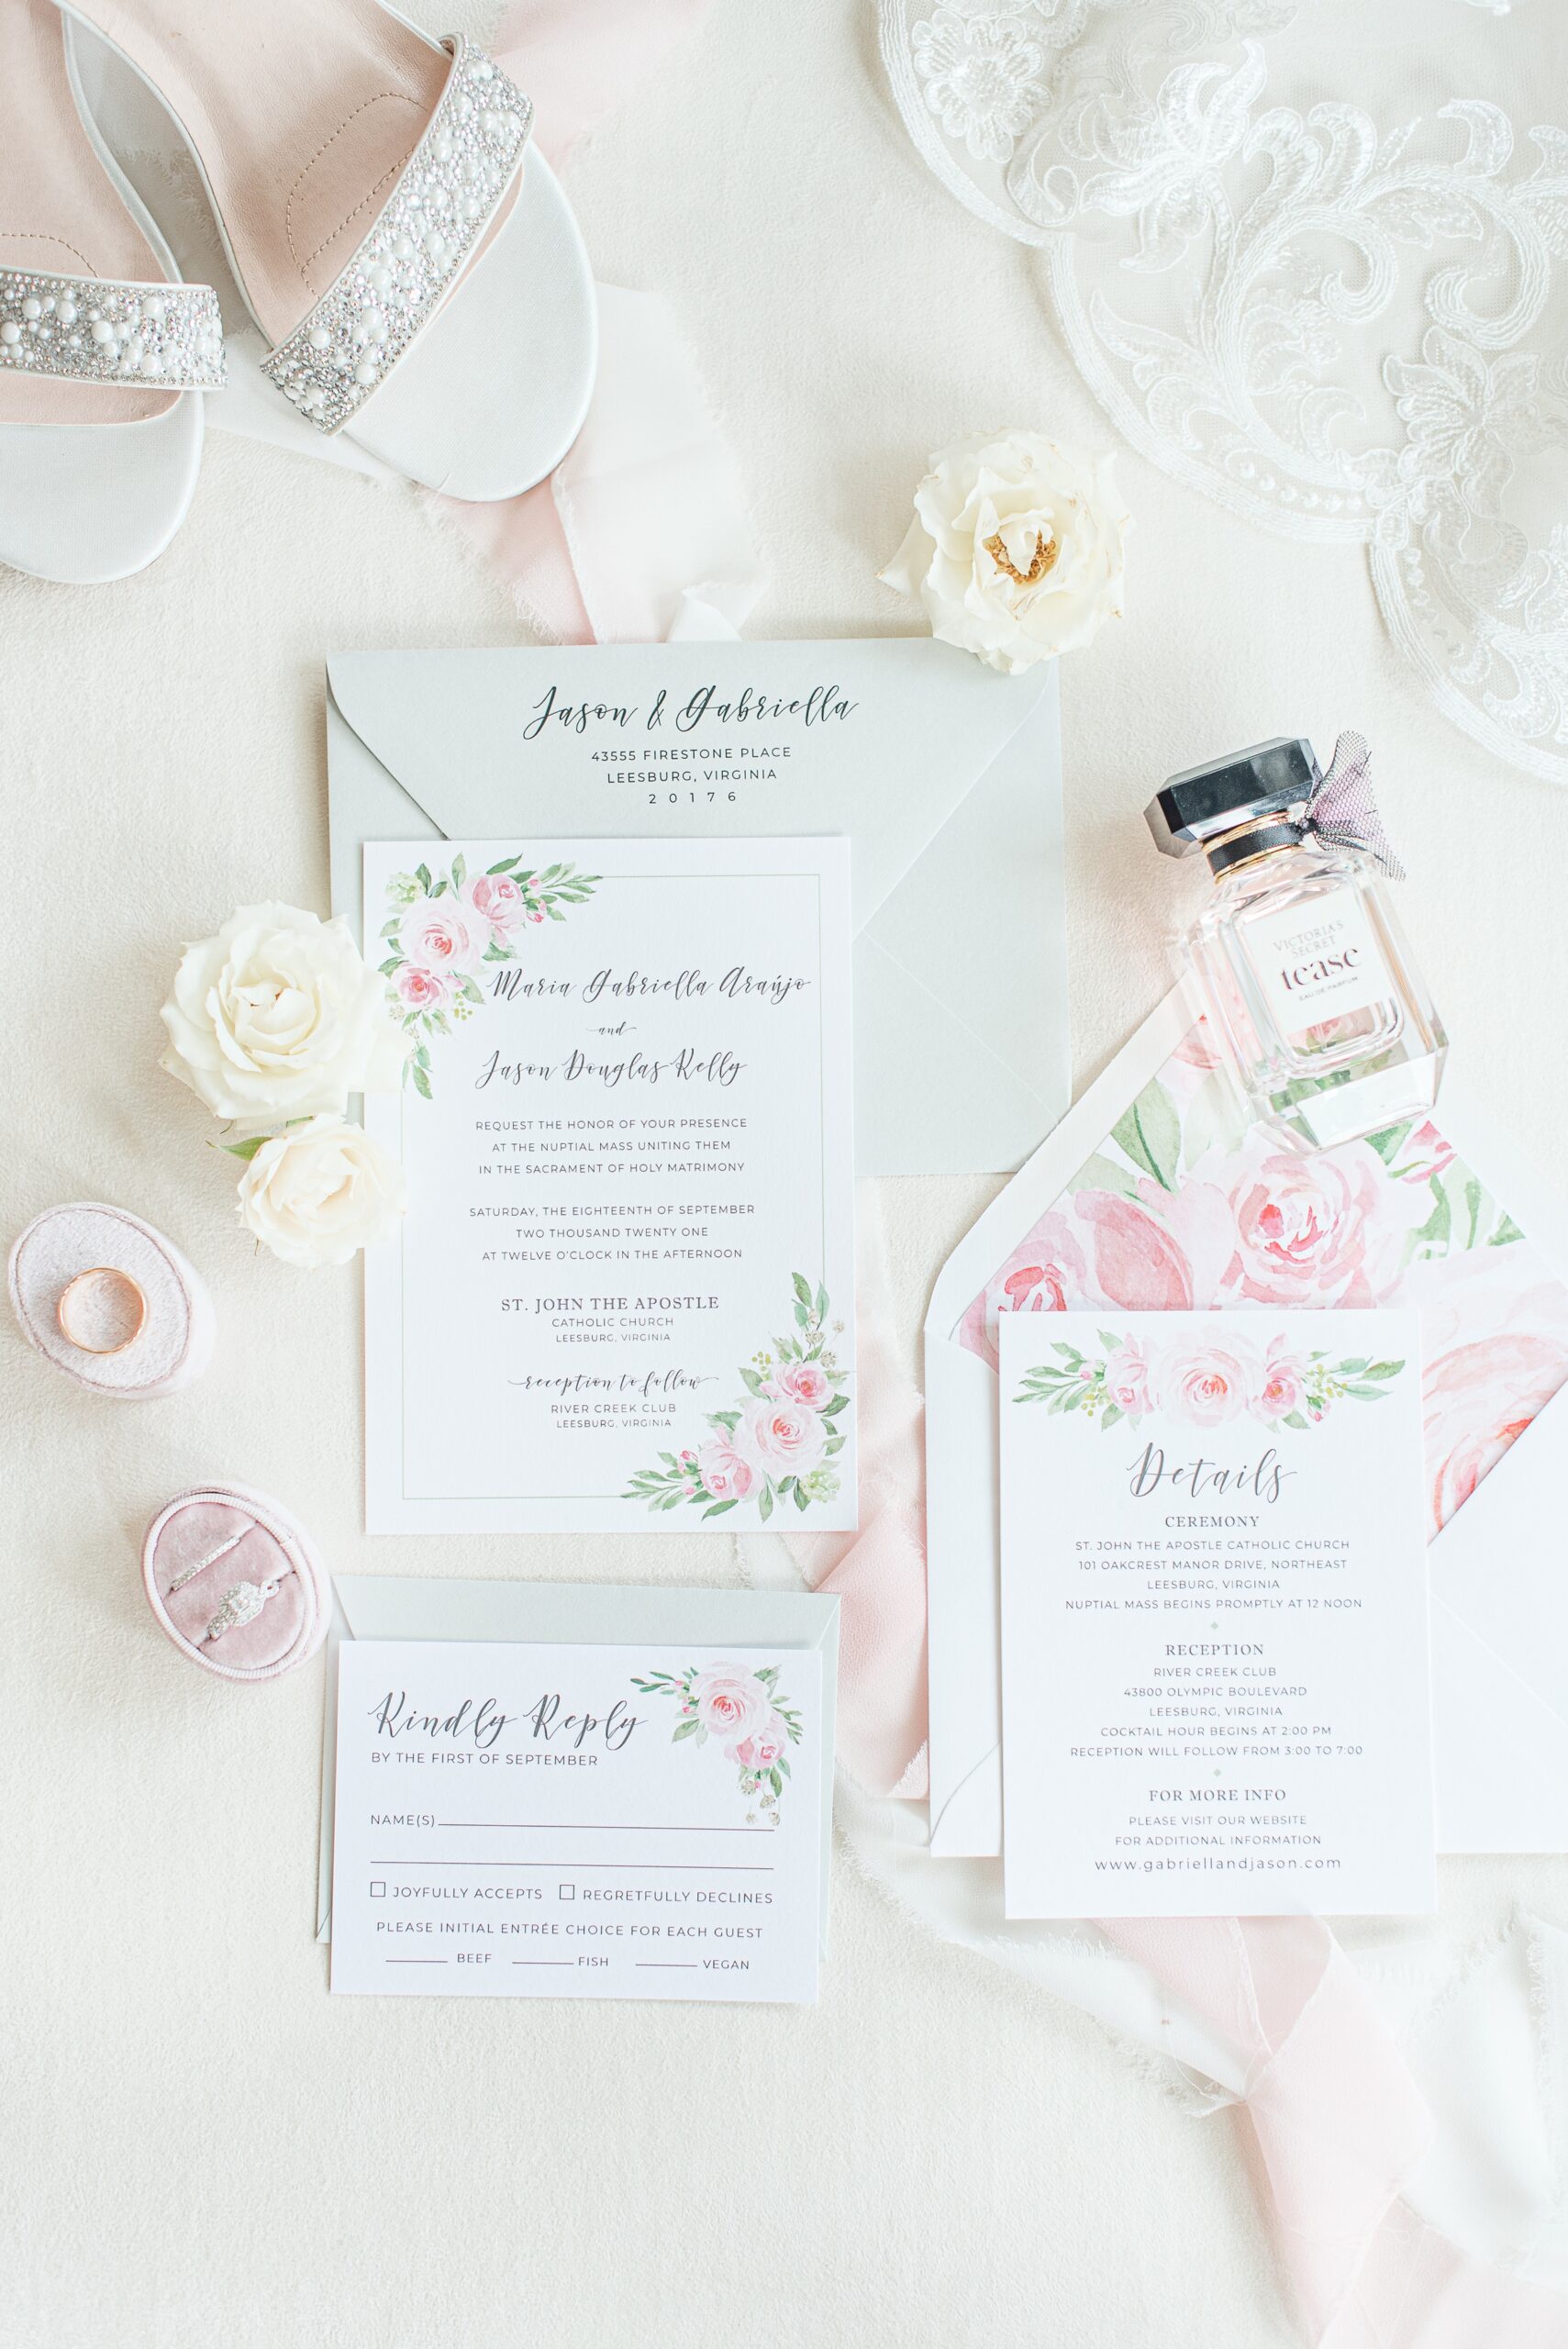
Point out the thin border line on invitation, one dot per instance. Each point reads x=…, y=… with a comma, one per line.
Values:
x=596, y=1499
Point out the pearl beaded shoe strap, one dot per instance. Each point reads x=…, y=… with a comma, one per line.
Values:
x=103, y=330
x=445, y=196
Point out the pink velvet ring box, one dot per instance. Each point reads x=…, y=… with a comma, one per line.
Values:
x=234, y=1583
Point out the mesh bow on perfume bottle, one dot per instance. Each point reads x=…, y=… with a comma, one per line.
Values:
x=1311, y=988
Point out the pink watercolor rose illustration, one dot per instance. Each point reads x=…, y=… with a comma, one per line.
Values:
x=785, y=1438
x=1302, y=1229
x=419, y=989
x=1479, y=1397
x=1198, y=1049
x=726, y=1472
x=1128, y=1379
x=1424, y=1155
x=730, y=1701
x=1283, y=1384
x=763, y=1748
x=1208, y=1383
x=498, y=899
x=782, y=1440
x=1045, y=1273
x=803, y=1382
x=443, y=934
x=1163, y=1251
x=749, y=1714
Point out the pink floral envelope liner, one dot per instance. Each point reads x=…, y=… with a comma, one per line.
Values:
x=1187, y=1205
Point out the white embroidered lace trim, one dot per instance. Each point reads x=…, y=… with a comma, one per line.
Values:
x=1343, y=318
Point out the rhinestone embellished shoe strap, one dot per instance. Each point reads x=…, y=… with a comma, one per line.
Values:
x=445, y=198
x=103, y=330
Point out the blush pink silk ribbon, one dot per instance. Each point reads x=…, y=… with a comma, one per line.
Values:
x=646, y=507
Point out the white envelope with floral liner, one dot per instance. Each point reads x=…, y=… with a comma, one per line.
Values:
x=1153, y=1195
x=415, y=1607
x=946, y=777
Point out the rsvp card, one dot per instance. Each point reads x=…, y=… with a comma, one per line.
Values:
x=622, y=1299
x=529, y=1821
x=1215, y=1688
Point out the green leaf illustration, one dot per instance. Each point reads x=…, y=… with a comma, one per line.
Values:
x=1434, y=1235
x=1150, y=1134
x=1390, y=1140
x=1474, y=1197
x=1100, y=1174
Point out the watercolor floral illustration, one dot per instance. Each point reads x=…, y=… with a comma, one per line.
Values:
x=744, y=1710
x=1185, y=1205
x=445, y=930
x=1203, y=1385
x=779, y=1442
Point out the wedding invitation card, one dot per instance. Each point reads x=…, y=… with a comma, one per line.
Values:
x=1214, y=1692
x=540, y=1820
x=622, y=1299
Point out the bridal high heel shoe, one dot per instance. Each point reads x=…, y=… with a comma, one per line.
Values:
x=103, y=354
x=410, y=260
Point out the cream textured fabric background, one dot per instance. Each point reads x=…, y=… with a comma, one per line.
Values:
x=196, y=2143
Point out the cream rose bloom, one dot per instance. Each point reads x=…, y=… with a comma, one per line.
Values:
x=1016, y=548
x=318, y=1193
x=280, y=1017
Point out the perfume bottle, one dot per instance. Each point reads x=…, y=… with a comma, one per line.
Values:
x=1311, y=991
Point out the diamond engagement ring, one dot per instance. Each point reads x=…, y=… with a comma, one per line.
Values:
x=240, y=1603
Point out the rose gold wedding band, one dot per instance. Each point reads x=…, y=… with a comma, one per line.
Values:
x=72, y=1293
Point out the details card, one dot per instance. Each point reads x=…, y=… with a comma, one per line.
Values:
x=527, y=1820
x=622, y=1297
x=1214, y=1615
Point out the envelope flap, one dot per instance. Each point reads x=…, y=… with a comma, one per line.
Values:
x=417, y=1607
x=761, y=739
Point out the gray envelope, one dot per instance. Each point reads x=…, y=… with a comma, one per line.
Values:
x=946, y=776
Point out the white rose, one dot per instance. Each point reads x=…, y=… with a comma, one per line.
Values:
x=1016, y=548
x=318, y=1193
x=279, y=1016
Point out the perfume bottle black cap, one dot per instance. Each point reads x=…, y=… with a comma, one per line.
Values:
x=1192, y=807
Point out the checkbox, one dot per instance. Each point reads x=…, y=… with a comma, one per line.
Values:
x=566, y=1892
x=378, y=1889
